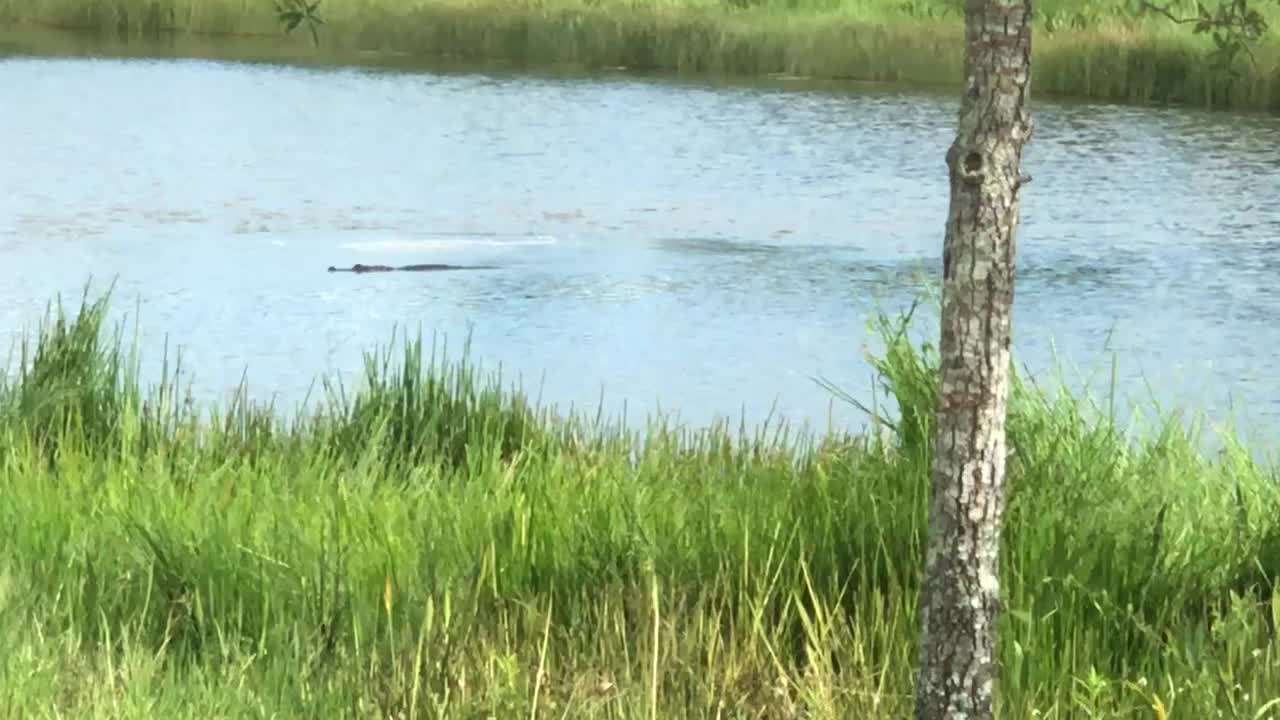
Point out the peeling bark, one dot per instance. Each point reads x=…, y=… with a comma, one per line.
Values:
x=960, y=595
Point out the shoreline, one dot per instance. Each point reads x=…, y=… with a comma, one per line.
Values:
x=1144, y=65
x=434, y=526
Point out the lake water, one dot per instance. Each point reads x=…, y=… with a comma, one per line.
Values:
x=707, y=249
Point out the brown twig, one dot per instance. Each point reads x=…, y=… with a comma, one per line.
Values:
x=1165, y=11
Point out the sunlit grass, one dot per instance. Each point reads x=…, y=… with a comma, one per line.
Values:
x=1087, y=48
x=429, y=544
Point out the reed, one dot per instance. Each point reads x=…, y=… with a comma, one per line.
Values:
x=431, y=545
x=1084, y=48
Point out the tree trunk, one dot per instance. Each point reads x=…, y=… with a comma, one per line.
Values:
x=960, y=595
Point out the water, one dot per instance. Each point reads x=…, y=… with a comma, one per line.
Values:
x=705, y=249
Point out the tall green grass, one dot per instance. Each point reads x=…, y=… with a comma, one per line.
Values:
x=429, y=544
x=1086, y=48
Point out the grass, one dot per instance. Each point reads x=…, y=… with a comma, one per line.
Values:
x=1089, y=48
x=429, y=544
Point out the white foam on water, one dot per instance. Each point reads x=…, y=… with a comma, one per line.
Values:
x=444, y=243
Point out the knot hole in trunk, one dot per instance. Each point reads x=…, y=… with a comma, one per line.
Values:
x=971, y=167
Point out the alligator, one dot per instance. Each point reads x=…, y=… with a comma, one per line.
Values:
x=430, y=267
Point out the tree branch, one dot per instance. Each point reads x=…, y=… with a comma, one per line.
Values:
x=1233, y=26
x=1165, y=11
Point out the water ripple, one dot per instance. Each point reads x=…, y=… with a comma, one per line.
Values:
x=710, y=247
